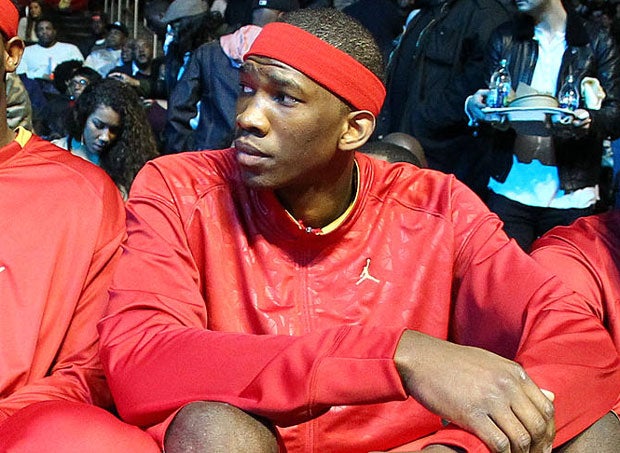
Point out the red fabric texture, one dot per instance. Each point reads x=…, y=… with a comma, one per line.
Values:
x=331, y=68
x=69, y=427
x=221, y=296
x=61, y=223
x=586, y=256
x=9, y=18
x=451, y=436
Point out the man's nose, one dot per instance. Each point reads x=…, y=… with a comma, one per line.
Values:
x=251, y=116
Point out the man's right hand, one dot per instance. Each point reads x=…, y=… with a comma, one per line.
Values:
x=477, y=390
x=474, y=105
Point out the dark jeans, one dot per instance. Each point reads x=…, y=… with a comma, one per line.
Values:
x=526, y=223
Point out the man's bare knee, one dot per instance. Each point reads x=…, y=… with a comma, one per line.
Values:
x=217, y=427
x=602, y=437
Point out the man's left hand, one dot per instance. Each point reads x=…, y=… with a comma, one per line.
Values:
x=569, y=126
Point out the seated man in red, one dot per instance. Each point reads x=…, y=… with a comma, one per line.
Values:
x=315, y=287
x=61, y=223
x=586, y=256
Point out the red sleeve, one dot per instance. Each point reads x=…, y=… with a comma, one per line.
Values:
x=574, y=269
x=509, y=304
x=158, y=354
x=565, y=349
x=586, y=257
x=76, y=373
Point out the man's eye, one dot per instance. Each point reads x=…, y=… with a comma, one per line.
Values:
x=285, y=99
x=246, y=89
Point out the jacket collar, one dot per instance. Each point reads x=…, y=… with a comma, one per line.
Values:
x=576, y=34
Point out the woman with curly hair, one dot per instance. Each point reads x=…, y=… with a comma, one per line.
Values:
x=108, y=127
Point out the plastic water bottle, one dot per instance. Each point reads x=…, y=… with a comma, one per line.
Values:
x=50, y=68
x=500, y=86
x=568, y=97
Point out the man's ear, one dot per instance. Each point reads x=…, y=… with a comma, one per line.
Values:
x=360, y=126
x=13, y=51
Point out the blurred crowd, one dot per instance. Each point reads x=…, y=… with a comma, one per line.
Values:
x=183, y=66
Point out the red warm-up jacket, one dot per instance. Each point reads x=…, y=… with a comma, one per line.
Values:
x=221, y=295
x=61, y=225
x=586, y=256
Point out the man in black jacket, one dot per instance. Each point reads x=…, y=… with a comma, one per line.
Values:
x=544, y=178
x=437, y=64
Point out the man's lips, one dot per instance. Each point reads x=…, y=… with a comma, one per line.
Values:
x=248, y=155
x=246, y=148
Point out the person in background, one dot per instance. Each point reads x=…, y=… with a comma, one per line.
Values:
x=81, y=78
x=313, y=287
x=189, y=24
x=438, y=62
x=104, y=60
x=382, y=18
x=128, y=52
x=549, y=176
x=201, y=108
x=62, y=223
x=35, y=93
x=51, y=122
x=96, y=39
x=144, y=73
x=238, y=13
x=389, y=152
x=147, y=75
x=154, y=11
x=586, y=257
x=18, y=106
x=408, y=142
x=63, y=72
x=26, y=29
x=51, y=92
x=40, y=59
x=266, y=11
x=109, y=128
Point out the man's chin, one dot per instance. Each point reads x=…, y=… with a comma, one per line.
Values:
x=255, y=181
x=261, y=182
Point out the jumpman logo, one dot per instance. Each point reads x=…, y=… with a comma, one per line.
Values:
x=365, y=275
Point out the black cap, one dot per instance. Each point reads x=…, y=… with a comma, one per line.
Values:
x=118, y=26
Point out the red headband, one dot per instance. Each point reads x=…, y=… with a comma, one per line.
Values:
x=8, y=19
x=331, y=68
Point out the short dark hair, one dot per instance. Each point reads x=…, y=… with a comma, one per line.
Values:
x=390, y=152
x=63, y=72
x=87, y=72
x=341, y=31
x=46, y=19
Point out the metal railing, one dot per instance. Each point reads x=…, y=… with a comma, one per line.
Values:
x=127, y=11
x=123, y=11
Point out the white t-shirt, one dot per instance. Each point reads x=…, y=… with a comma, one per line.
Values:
x=103, y=60
x=39, y=61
